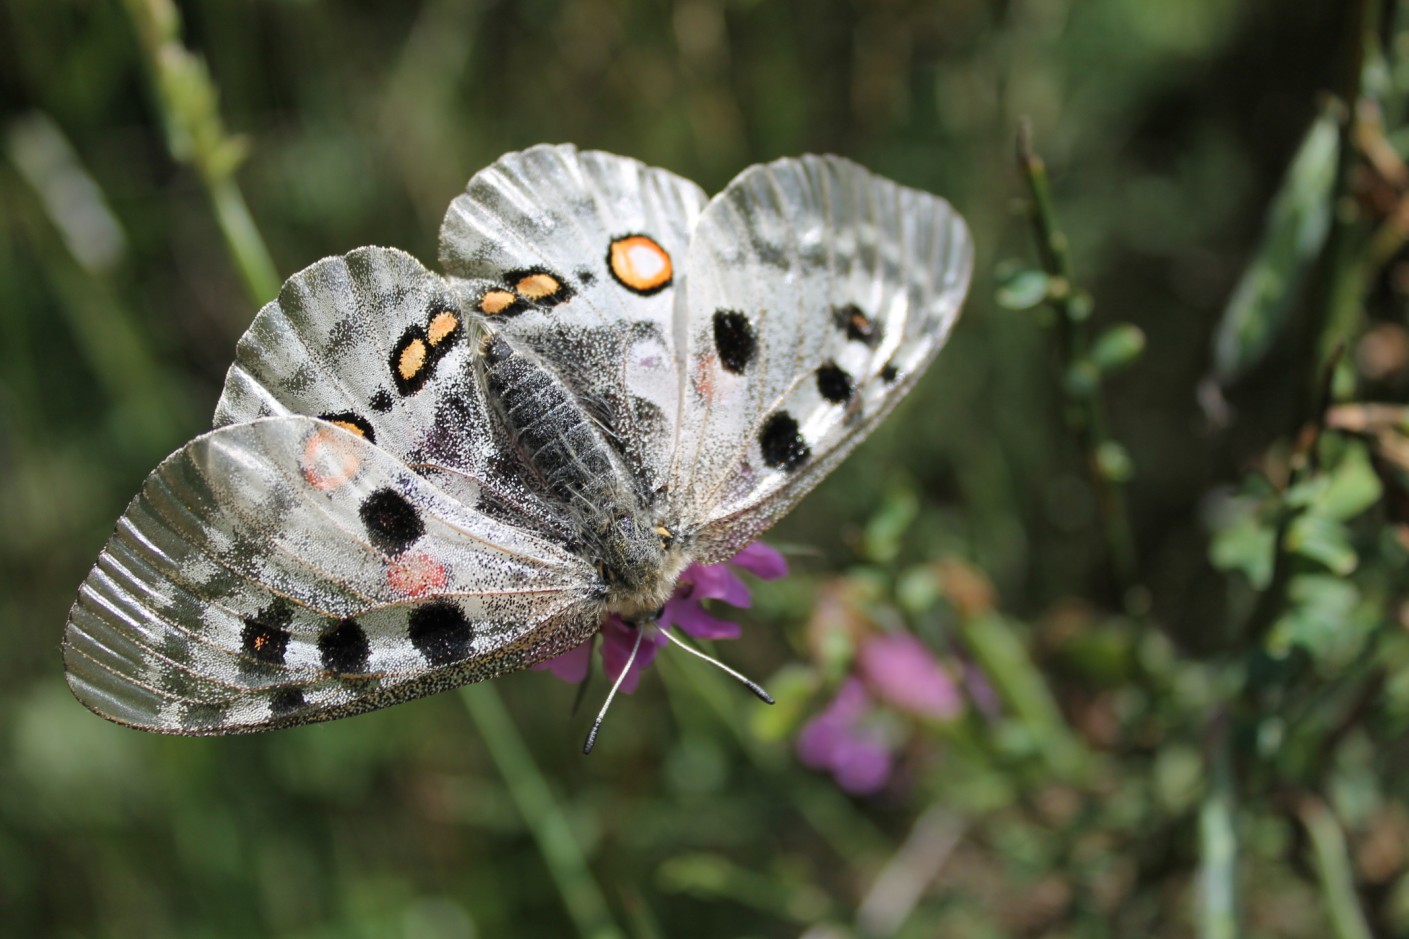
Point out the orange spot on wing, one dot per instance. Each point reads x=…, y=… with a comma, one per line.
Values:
x=415, y=575
x=496, y=301
x=349, y=426
x=537, y=286
x=640, y=263
x=442, y=325
x=412, y=360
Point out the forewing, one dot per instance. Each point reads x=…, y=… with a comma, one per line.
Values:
x=818, y=294
x=579, y=255
x=286, y=570
x=377, y=343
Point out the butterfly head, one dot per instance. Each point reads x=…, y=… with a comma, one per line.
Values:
x=640, y=560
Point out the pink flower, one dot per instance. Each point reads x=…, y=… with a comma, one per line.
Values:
x=892, y=670
x=901, y=672
x=840, y=741
x=684, y=610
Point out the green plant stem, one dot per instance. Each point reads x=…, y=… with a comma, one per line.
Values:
x=256, y=268
x=541, y=814
x=1333, y=870
x=1306, y=462
x=186, y=97
x=1218, y=841
x=1086, y=410
x=1342, y=285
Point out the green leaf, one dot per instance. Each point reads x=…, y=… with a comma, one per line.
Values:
x=1003, y=657
x=1118, y=347
x=1023, y=289
x=1324, y=540
x=1114, y=462
x=1244, y=543
x=1320, y=618
x=1352, y=488
x=792, y=687
x=887, y=527
x=1292, y=237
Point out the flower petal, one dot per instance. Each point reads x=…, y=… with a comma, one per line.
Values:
x=762, y=561
x=617, y=641
x=837, y=740
x=692, y=618
x=572, y=665
x=862, y=766
x=901, y=671
x=716, y=582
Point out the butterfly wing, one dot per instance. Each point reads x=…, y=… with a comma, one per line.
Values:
x=817, y=295
x=579, y=255
x=378, y=344
x=287, y=570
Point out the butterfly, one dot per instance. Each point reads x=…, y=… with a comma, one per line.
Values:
x=418, y=480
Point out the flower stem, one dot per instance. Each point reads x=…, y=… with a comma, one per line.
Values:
x=1333, y=870
x=1085, y=406
x=541, y=814
x=1218, y=840
x=186, y=98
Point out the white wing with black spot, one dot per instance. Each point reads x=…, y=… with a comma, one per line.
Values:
x=287, y=570
x=817, y=294
x=580, y=255
x=378, y=344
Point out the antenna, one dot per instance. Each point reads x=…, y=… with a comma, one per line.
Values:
x=601, y=715
x=748, y=683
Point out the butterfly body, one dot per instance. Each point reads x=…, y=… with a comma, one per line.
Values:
x=418, y=480
x=617, y=526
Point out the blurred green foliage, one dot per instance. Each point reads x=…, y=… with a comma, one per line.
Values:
x=1152, y=505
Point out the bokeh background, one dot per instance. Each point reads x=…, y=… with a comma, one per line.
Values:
x=1108, y=747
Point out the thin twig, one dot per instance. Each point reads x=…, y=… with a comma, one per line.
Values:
x=1086, y=409
x=186, y=98
x=1333, y=869
x=1218, y=838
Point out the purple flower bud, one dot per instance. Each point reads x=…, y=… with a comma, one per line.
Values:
x=684, y=610
x=900, y=671
x=838, y=741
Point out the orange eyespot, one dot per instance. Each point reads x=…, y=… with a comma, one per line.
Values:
x=412, y=359
x=537, y=286
x=640, y=264
x=496, y=301
x=442, y=325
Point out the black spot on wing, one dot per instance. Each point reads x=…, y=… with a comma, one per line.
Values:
x=391, y=520
x=381, y=401
x=835, y=384
x=889, y=373
x=285, y=701
x=265, y=637
x=344, y=649
x=859, y=327
x=781, y=441
x=734, y=339
x=440, y=632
